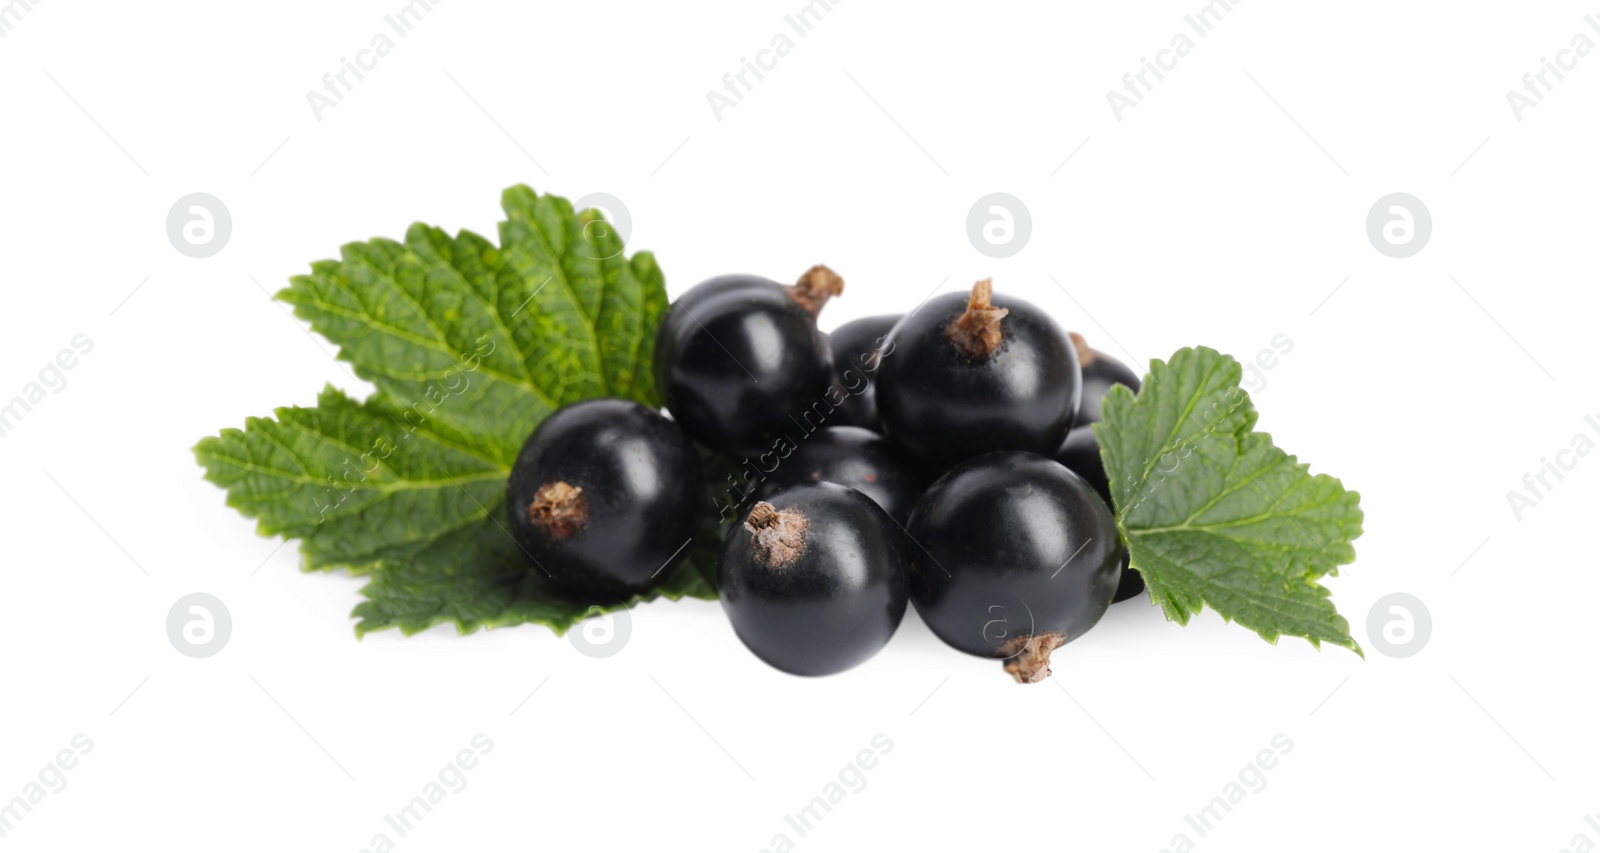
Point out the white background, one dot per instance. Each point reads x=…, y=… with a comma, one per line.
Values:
x=1223, y=210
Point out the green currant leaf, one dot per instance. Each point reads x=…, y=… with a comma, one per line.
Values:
x=355, y=482
x=489, y=340
x=476, y=577
x=470, y=345
x=1214, y=513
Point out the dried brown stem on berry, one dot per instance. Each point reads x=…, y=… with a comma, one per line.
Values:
x=976, y=333
x=559, y=510
x=814, y=288
x=1028, y=657
x=1086, y=353
x=779, y=535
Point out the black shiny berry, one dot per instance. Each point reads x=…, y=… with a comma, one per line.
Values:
x=1015, y=556
x=853, y=457
x=603, y=497
x=739, y=360
x=1080, y=452
x=814, y=580
x=974, y=374
x=855, y=362
x=1100, y=372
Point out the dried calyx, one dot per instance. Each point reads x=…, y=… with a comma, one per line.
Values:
x=559, y=510
x=1028, y=657
x=814, y=288
x=976, y=333
x=1086, y=353
x=778, y=536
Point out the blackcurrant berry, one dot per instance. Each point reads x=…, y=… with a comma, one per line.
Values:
x=853, y=457
x=1080, y=452
x=814, y=580
x=1014, y=556
x=855, y=360
x=739, y=358
x=603, y=497
x=973, y=374
x=1100, y=372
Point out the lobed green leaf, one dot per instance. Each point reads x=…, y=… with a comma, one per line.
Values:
x=1214, y=513
x=470, y=345
x=476, y=577
x=355, y=482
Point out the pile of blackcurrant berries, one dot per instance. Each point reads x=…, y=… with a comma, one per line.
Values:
x=943, y=457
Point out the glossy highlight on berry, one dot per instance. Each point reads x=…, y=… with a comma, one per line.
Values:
x=814, y=580
x=603, y=498
x=853, y=457
x=1017, y=557
x=739, y=358
x=858, y=350
x=976, y=373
